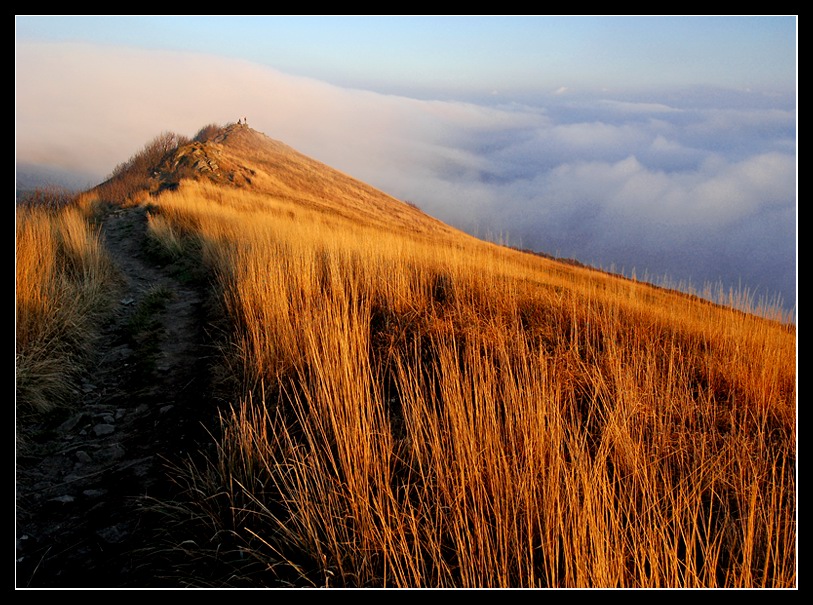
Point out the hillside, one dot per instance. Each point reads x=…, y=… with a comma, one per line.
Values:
x=289, y=378
x=242, y=157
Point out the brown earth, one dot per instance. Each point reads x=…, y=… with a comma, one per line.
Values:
x=86, y=475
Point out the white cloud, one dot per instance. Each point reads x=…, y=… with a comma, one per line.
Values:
x=108, y=102
x=597, y=138
x=630, y=107
x=717, y=195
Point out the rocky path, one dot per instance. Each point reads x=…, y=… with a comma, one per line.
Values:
x=83, y=479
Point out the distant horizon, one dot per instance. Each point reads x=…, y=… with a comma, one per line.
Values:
x=667, y=144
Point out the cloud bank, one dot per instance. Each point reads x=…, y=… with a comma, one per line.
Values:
x=697, y=186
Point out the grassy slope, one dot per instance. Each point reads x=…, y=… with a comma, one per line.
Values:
x=415, y=407
x=419, y=408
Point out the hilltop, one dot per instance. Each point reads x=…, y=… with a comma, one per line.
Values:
x=286, y=378
x=239, y=156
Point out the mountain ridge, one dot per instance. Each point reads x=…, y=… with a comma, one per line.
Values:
x=240, y=156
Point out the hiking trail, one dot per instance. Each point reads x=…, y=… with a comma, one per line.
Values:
x=84, y=473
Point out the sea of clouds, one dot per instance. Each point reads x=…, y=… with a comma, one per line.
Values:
x=695, y=186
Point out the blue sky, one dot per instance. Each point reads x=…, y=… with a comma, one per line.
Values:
x=663, y=144
x=523, y=54
x=457, y=55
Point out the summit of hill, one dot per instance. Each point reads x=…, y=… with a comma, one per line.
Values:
x=239, y=156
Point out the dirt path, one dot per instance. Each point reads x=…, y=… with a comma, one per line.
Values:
x=82, y=483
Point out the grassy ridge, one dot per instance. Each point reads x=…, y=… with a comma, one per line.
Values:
x=424, y=409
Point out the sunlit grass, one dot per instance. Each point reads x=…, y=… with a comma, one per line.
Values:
x=63, y=276
x=419, y=408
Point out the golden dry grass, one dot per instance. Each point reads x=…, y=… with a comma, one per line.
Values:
x=419, y=408
x=62, y=277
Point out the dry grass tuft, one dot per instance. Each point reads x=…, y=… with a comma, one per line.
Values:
x=62, y=276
